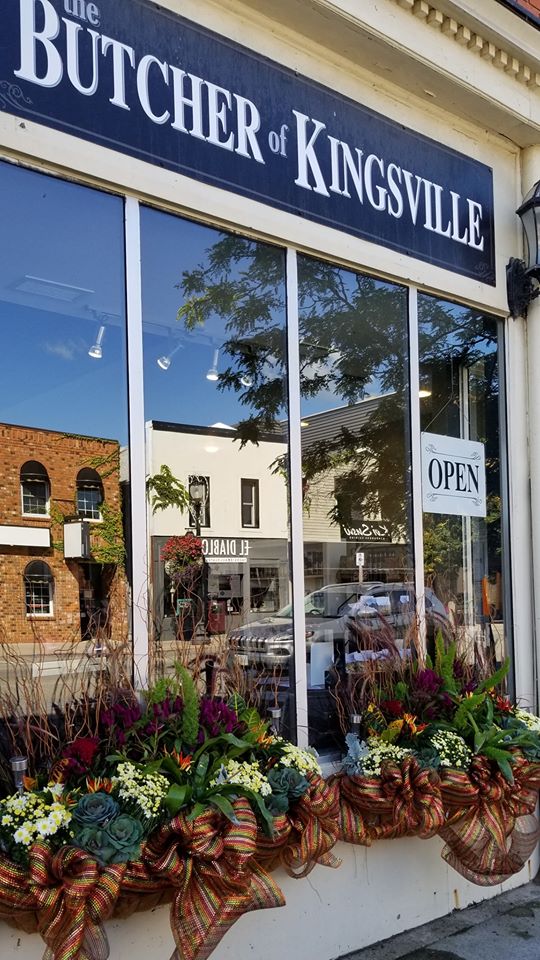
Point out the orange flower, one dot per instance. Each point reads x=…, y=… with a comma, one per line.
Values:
x=265, y=740
x=184, y=762
x=99, y=784
x=29, y=783
x=59, y=771
x=414, y=727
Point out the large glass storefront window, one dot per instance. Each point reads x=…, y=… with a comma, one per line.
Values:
x=359, y=593
x=460, y=396
x=218, y=462
x=216, y=445
x=63, y=437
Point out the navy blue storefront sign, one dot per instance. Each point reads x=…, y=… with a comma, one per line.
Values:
x=133, y=77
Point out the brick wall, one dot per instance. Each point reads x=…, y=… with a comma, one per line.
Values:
x=528, y=6
x=63, y=456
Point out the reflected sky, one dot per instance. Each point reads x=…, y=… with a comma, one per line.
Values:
x=175, y=254
x=61, y=278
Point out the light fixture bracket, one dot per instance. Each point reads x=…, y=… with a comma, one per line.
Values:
x=520, y=287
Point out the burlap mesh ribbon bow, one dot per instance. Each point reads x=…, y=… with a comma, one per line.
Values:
x=305, y=836
x=490, y=830
x=403, y=801
x=210, y=868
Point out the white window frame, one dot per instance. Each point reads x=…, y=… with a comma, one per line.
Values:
x=27, y=580
x=47, y=485
x=254, y=505
x=87, y=485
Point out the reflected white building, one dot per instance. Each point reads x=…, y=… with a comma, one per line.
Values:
x=243, y=521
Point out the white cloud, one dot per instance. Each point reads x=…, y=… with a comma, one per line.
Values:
x=65, y=349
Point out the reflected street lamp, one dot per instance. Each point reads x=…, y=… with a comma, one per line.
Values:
x=197, y=493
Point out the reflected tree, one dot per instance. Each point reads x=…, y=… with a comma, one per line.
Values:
x=353, y=348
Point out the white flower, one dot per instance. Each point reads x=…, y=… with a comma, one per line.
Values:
x=23, y=835
x=305, y=761
x=243, y=774
x=146, y=790
x=529, y=719
x=56, y=789
x=451, y=748
x=380, y=752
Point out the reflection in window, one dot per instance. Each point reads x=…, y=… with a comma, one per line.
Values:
x=62, y=315
x=34, y=488
x=250, y=503
x=39, y=585
x=199, y=507
x=356, y=481
x=89, y=494
x=216, y=410
x=463, y=556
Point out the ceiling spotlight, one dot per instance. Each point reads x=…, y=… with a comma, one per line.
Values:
x=246, y=381
x=213, y=373
x=165, y=361
x=96, y=351
x=425, y=388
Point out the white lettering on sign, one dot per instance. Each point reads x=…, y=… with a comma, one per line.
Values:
x=232, y=121
x=385, y=187
x=453, y=476
x=225, y=548
x=53, y=47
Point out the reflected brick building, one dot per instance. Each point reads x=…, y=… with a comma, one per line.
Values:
x=61, y=544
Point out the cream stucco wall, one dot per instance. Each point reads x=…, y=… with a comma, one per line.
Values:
x=225, y=463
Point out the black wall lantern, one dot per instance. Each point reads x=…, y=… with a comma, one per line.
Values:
x=520, y=275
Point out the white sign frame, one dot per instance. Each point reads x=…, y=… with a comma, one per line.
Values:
x=453, y=476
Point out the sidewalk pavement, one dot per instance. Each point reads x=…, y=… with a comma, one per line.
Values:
x=504, y=928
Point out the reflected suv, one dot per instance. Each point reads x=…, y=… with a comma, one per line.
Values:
x=347, y=614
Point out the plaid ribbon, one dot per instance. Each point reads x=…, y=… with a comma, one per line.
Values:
x=209, y=863
x=489, y=831
x=305, y=835
x=72, y=896
x=403, y=801
x=214, y=870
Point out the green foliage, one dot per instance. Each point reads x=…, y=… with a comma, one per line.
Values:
x=163, y=689
x=164, y=490
x=445, y=657
x=256, y=728
x=190, y=716
x=107, y=538
x=492, y=682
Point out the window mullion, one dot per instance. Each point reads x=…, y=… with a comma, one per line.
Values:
x=139, y=549
x=295, y=488
x=416, y=466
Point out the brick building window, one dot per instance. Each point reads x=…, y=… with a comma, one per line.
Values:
x=35, y=489
x=39, y=589
x=89, y=494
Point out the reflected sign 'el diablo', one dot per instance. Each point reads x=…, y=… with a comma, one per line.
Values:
x=139, y=79
x=225, y=549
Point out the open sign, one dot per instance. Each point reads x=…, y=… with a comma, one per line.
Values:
x=453, y=476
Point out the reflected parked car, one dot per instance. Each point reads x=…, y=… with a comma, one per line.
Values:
x=370, y=616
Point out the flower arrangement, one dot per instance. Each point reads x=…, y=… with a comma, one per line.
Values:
x=28, y=817
x=182, y=555
x=177, y=751
x=145, y=786
x=444, y=716
x=442, y=751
